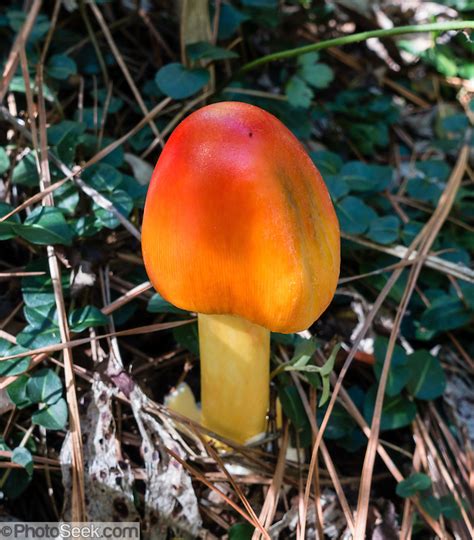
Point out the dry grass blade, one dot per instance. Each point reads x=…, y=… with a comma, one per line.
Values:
x=210, y=485
x=147, y=329
x=79, y=512
x=327, y=459
x=127, y=297
x=20, y=40
x=436, y=263
x=271, y=500
x=337, y=387
x=433, y=227
x=123, y=67
x=237, y=489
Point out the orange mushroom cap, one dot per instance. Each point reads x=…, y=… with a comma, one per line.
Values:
x=238, y=221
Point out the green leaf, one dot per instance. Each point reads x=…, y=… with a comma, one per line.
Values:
x=317, y=75
x=17, y=392
x=241, y=531
x=340, y=423
x=384, y=230
x=17, y=84
x=157, y=304
x=45, y=225
x=41, y=316
x=61, y=67
x=44, y=386
x=32, y=338
x=354, y=215
x=293, y=407
x=14, y=366
x=202, y=50
x=86, y=317
x=38, y=290
x=399, y=372
x=187, y=336
x=25, y=172
x=337, y=186
x=4, y=161
x=450, y=508
x=52, y=416
x=397, y=411
x=66, y=198
x=7, y=227
x=304, y=350
x=431, y=505
x=299, y=94
x=413, y=484
x=230, y=18
x=427, y=378
x=365, y=177
x=326, y=162
x=16, y=19
x=22, y=456
x=122, y=202
x=64, y=136
x=446, y=313
x=102, y=177
x=179, y=82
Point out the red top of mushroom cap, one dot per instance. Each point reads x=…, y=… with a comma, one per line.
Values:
x=239, y=221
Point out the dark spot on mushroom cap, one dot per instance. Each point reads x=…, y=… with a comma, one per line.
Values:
x=250, y=134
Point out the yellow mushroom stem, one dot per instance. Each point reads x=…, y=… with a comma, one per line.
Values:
x=235, y=376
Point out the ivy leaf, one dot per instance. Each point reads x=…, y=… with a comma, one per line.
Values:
x=293, y=407
x=384, y=230
x=25, y=172
x=44, y=386
x=327, y=162
x=86, y=317
x=230, y=18
x=203, y=50
x=61, y=67
x=32, y=338
x=180, y=82
x=413, y=484
x=45, y=225
x=397, y=411
x=157, y=304
x=354, y=215
x=399, y=372
x=4, y=161
x=241, y=531
x=187, y=336
x=17, y=392
x=41, y=316
x=431, y=505
x=38, y=290
x=22, y=456
x=102, y=177
x=446, y=313
x=366, y=177
x=7, y=227
x=450, y=508
x=317, y=75
x=337, y=186
x=14, y=366
x=122, y=201
x=299, y=94
x=52, y=416
x=427, y=378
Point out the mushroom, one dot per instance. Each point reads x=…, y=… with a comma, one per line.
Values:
x=239, y=227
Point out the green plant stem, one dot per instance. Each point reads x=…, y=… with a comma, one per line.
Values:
x=355, y=38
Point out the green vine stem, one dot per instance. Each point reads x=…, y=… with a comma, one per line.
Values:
x=355, y=38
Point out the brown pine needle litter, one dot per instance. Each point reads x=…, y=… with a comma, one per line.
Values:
x=368, y=404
